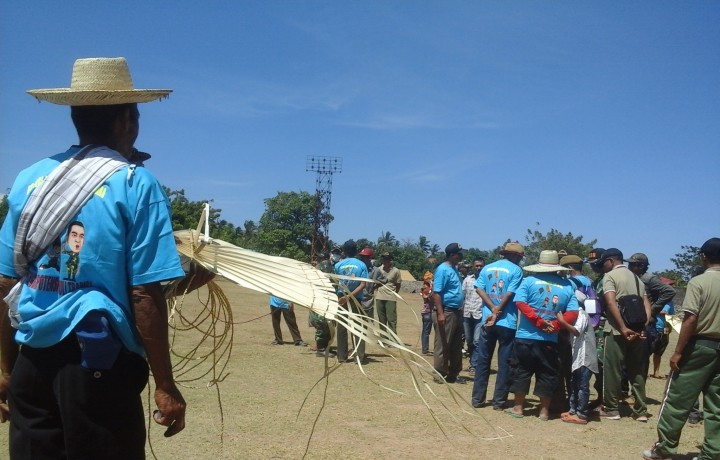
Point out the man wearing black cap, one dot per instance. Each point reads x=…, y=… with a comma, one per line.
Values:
x=350, y=293
x=622, y=344
x=448, y=318
x=695, y=365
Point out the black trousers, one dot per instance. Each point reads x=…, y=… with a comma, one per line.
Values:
x=61, y=410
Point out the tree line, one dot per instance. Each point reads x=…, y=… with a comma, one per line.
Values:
x=286, y=229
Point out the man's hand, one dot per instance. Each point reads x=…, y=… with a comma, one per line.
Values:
x=4, y=388
x=171, y=410
x=675, y=361
x=629, y=334
x=548, y=327
x=441, y=318
x=491, y=320
x=343, y=300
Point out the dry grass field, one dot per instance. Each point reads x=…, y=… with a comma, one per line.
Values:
x=263, y=417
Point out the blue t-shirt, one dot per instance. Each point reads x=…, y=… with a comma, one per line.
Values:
x=660, y=320
x=447, y=283
x=121, y=237
x=351, y=267
x=583, y=280
x=547, y=294
x=277, y=302
x=497, y=279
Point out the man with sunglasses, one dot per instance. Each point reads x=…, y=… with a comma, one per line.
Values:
x=660, y=294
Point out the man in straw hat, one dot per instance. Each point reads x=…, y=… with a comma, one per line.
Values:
x=496, y=284
x=73, y=388
x=543, y=295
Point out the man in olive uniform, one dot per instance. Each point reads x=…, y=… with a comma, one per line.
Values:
x=695, y=365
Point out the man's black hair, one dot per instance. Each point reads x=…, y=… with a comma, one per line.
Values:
x=96, y=121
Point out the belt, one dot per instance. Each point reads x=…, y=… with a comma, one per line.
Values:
x=709, y=343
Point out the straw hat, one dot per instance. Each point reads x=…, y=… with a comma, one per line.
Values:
x=549, y=262
x=99, y=81
x=513, y=248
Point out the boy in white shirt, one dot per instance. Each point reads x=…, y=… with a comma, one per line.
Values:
x=584, y=364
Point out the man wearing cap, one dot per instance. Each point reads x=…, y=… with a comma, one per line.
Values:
x=496, y=285
x=593, y=259
x=74, y=385
x=350, y=292
x=659, y=293
x=541, y=297
x=447, y=318
x=695, y=364
x=388, y=277
x=622, y=344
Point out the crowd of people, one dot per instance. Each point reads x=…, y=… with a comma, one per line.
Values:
x=554, y=324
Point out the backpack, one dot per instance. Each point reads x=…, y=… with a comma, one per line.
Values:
x=594, y=308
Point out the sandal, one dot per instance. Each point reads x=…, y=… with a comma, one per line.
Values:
x=512, y=413
x=575, y=419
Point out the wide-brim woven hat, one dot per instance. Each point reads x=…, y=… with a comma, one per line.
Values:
x=99, y=81
x=549, y=262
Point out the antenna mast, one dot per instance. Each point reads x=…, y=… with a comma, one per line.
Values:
x=324, y=167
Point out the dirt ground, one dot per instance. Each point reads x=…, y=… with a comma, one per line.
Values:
x=353, y=415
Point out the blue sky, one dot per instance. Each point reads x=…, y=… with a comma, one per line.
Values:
x=461, y=121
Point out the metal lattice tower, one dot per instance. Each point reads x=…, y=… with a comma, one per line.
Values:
x=324, y=167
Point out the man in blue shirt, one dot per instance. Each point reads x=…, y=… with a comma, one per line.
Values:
x=448, y=316
x=350, y=293
x=497, y=284
x=64, y=398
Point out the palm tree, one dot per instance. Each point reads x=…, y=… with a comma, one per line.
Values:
x=387, y=239
x=424, y=244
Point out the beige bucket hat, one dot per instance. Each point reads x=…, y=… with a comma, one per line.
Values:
x=99, y=81
x=549, y=262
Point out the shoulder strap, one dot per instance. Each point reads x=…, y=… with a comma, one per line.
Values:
x=58, y=199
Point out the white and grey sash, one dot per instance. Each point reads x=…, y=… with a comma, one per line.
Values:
x=53, y=204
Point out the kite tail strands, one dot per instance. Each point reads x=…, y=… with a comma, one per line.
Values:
x=296, y=282
x=210, y=355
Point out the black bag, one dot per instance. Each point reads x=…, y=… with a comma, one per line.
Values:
x=632, y=310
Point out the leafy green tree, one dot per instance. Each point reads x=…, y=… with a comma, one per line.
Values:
x=287, y=225
x=364, y=243
x=475, y=253
x=186, y=216
x=411, y=257
x=554, y=240
x=687, y=263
